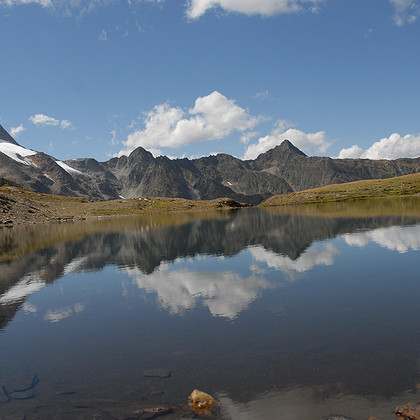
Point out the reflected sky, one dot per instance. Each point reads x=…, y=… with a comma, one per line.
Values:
x=261, y=310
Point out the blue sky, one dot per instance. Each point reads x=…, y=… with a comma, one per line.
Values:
x=187, y=78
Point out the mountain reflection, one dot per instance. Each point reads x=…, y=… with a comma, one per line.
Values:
x=285, y=242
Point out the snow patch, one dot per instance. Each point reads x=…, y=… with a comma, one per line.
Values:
x=17, y=153
x=68, y=168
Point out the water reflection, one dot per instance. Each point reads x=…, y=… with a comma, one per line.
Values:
x=225, y=293
x=312, y=403
x=278, y=314
x=395, y=238
x=316, y=254
x=146, y=247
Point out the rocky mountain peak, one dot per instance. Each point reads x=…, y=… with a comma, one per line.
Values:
x=286, y=147
x=278, y=171
x=5, y=136
x=141, y=154
x=281, y=153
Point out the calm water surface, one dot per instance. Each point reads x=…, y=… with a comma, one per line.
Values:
x=278, y=315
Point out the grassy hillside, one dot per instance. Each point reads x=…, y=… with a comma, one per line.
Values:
x=19, y=205
x=358, y=190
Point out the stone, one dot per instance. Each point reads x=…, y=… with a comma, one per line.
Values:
x=201, y=402
x=410, y=411
x=157, y=373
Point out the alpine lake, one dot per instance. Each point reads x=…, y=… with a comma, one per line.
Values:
x=280, y=313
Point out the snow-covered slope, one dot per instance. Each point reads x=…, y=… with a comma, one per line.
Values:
x=43, y=173
x=16, y=152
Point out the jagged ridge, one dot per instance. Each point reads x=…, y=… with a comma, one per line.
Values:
x=281, y=170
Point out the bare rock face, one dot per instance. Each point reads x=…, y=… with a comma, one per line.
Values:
x=5, y=136
x=410, y=411
x=281, y=170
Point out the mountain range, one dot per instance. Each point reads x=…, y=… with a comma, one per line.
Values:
x=281, y=170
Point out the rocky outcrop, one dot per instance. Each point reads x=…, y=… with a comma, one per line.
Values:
x=410, y=411
x=281, y=170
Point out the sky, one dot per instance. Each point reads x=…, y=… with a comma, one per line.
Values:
x=190, y=78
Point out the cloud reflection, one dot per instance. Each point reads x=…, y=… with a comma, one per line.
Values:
x=305, y=403
x=225, y=293
x=317, y=254
x=59, y=314
x=394, y=238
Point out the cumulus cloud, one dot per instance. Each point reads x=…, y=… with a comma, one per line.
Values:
x=406, y=11
x=44, y=120
x=308, y=142
x=15, y=131
x=247, y=137
x=392, y=147
x=197, y=8
x=213, y=117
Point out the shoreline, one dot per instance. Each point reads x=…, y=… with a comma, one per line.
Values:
x=20, y=206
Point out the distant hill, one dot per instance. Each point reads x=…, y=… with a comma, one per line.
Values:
x=281, y=170
x=405, y=185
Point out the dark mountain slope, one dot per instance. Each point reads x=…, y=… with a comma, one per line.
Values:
x=281, y=170
x=302, y=172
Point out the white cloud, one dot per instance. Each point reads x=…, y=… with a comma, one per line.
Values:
x=247, y=137
x=67, y=7
x=213, y=117
x=197, y=8
x=262, y=95
x=44, y=120
x=15, y=131
x=406, y=11
x=65, y=124
x=103, y=35
x=353, y=152
x=308, y=142
x=42, y=3
x=72, y=7
x=392, y=147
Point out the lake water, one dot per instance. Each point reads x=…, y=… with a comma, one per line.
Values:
x=278, y=314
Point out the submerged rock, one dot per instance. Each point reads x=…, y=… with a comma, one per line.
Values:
x=410, y=411
x=336, y=417
x=157, y=373
x=201, y=402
